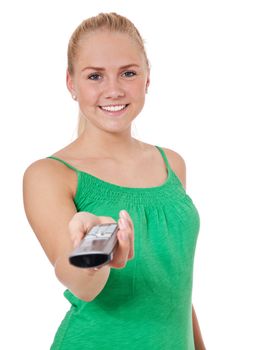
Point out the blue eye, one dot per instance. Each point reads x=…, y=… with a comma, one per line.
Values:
x=129, y=74
x=96, y=76
x=93, y=76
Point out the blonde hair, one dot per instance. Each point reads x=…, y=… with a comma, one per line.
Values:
x=110, y=21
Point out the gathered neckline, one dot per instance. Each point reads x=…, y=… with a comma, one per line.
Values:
x=115, y=187
x=119, y=187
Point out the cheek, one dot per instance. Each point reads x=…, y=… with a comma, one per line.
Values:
x=138, y=90
x=89, y=95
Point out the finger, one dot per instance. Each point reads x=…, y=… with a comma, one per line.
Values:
x=124, y=214
x=76, y=235
x=131, y=250
x=131, y=245
x=80, y=224
x=106, y=220
x=122, y=252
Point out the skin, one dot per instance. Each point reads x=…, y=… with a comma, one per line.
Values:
x=108, y=144
x=114, y=85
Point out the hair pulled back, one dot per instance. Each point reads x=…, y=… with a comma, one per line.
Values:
x=109, y=21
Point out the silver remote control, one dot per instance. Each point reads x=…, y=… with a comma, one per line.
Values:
x=97, y=247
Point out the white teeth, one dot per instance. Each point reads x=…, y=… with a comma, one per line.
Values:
x=113, y=108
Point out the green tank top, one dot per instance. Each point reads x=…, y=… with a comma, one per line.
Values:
x=147, y=305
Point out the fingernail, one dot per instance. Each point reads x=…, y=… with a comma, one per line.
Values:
x=123, y=223
x=123, y=214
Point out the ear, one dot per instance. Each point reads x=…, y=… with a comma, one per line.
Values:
x=70, y=83
x=148, y=82
x=148, y=79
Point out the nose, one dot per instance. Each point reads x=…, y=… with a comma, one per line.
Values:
x=113, y=89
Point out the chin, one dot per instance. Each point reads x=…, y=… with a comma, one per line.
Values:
x=115, y=128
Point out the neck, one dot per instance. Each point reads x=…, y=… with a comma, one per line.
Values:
x=114, y=145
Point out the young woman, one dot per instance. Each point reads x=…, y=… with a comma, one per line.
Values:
x=143, y=298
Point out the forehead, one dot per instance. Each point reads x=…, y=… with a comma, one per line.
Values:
x=103, y=48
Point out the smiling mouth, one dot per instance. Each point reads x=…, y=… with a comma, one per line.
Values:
x=114, y=108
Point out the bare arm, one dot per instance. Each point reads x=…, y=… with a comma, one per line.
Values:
x=198, y=341
x=51, y=212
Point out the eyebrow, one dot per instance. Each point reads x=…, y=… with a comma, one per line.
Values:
x=102, y=69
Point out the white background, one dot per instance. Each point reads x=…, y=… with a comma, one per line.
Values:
x=202, y=102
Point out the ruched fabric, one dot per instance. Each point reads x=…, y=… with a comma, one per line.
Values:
x=147, y=304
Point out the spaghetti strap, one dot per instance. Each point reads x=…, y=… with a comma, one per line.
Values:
x=62, y=161
x=165, y=158
x=162, y=152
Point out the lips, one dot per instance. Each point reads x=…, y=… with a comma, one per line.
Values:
x=114, y=108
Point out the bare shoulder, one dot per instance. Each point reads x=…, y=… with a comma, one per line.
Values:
x=48, y=204
x=50, y=172
x=177, y=164
x=39, y=169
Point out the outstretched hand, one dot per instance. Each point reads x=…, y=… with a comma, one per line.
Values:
x=82, y=222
